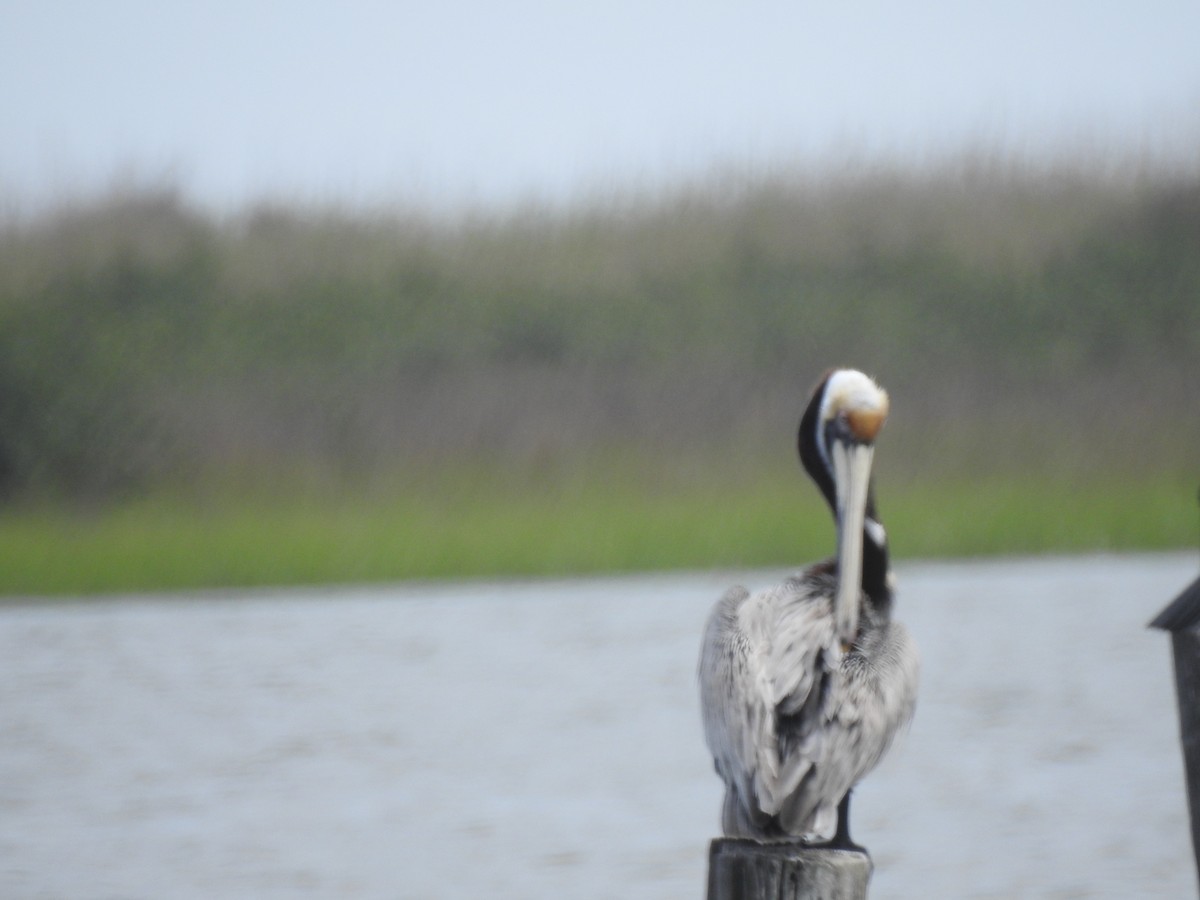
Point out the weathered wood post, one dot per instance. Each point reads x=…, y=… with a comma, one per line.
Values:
x=1182, y=619
x=744, y=869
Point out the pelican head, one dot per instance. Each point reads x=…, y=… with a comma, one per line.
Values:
x=837, y=445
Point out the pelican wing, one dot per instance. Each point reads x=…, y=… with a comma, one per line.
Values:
x=766, y=668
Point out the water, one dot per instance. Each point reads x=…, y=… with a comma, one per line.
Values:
x=542, y=740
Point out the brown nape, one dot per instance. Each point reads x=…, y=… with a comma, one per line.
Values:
x=865, y=423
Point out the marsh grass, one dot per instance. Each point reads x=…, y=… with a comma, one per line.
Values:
x=480, y=526
x=296, y=394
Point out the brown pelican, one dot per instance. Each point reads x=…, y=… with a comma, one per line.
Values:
x=804, y=685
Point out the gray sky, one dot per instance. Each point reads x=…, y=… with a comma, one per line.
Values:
x=452, y=101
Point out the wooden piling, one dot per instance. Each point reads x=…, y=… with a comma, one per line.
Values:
x=1182, y=619
x=743, y=869
x=1186, y=647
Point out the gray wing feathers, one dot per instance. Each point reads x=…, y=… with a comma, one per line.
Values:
x=798, y=652
x=762, y=656
x=724, y=674
x=793, y=723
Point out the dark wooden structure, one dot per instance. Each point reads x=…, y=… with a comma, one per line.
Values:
x=1182, y=619
x=743, y=869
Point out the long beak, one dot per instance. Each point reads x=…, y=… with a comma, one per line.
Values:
x=852, y=478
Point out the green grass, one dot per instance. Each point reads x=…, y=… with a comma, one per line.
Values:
x=1025, y=318
x=488, y=527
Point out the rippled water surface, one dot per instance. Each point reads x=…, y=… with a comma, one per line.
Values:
x=542, y=740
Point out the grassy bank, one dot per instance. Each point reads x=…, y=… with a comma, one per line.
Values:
x=189, y=400
x=491, y=527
